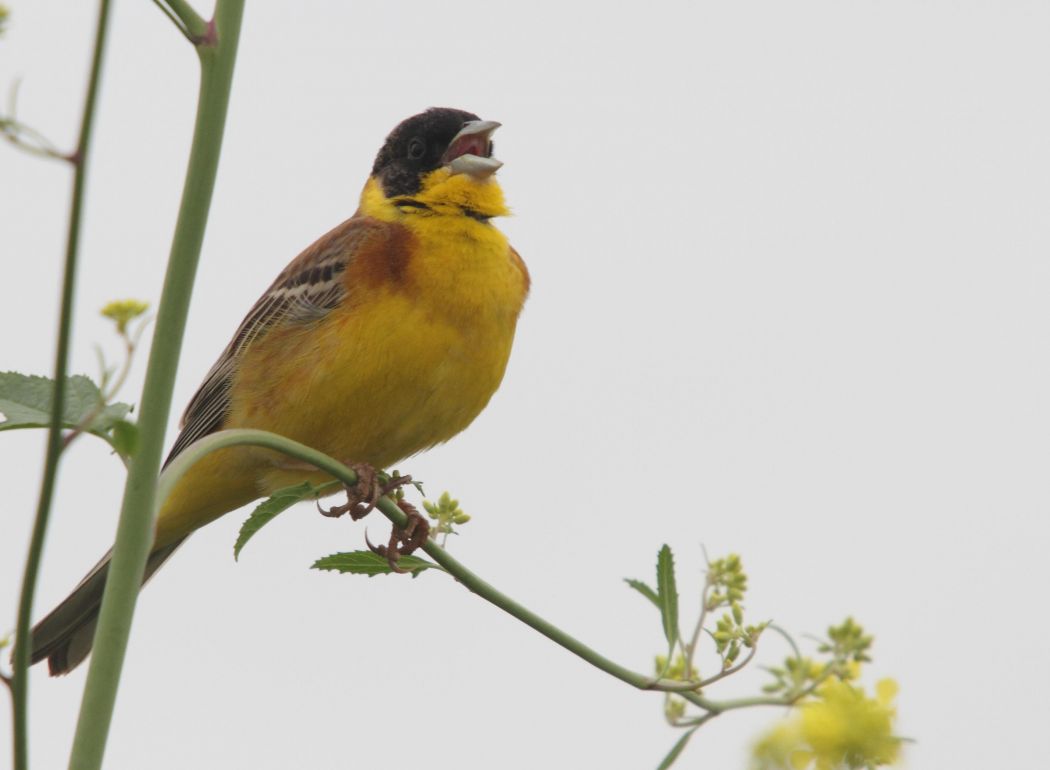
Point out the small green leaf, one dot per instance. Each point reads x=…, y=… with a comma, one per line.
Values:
x=125, y=437
x=668, y=594
x=25, y=402
x=371, y=564
x=265, y=512
x=644, y=590
x=676, y=750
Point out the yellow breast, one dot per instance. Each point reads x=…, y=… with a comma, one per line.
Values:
x=404, y=364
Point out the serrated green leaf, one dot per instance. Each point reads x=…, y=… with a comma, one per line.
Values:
x=644, y=590
x=369, y=563
x=667, y=593
x=25, y=402
x=676, y=750
x=267, y=510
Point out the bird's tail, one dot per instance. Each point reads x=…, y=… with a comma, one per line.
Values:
x=64, y=637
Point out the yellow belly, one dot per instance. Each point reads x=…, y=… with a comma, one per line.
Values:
x=384, y=381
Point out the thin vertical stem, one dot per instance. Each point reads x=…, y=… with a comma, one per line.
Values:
x=134, y=539
x=20, y=675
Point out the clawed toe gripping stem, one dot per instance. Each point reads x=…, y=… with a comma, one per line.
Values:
x=361, y=499
x=403, y=540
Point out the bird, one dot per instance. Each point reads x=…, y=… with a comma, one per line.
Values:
x=385, y=337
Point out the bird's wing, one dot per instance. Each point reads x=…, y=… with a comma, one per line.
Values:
x=305, y=291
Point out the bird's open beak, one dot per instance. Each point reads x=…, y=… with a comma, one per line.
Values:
x=470, y=150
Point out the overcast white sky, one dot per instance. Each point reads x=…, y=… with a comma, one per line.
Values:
x=791, y=273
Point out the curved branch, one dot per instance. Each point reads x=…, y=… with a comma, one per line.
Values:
x=474, y=583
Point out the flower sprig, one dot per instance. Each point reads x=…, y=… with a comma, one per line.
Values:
x=834, y=713
x=447, y=515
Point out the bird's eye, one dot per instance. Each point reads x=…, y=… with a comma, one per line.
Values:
x=417, y=148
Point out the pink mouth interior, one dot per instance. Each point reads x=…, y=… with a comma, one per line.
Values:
x=468, y=145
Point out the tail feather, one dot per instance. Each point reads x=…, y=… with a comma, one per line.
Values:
x=64, y=637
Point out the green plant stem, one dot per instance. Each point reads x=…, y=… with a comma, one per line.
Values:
x=185, y=19
x=732, y=669
x=389, y=508
x=490, y=594
x=690, y=650
x=135, y=529
x=20, y=673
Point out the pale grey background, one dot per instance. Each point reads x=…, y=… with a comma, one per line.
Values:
x=791, y=280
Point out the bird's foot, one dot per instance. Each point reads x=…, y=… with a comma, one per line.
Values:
x=362, y=497
x=403, y=540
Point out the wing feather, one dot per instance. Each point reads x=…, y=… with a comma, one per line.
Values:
x=306, y=291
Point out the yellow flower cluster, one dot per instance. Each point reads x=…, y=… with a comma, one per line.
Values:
x=123, y=311
x=840, y=728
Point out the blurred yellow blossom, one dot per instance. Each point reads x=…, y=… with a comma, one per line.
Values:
x=123, y=311
x=840, y=728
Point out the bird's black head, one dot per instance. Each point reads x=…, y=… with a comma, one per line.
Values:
x=430, y=140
